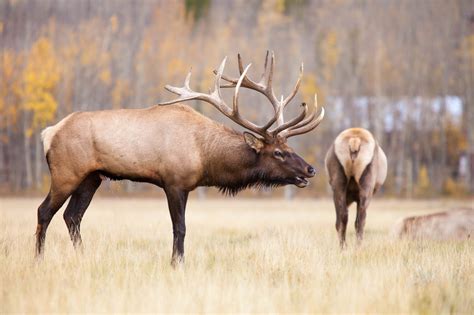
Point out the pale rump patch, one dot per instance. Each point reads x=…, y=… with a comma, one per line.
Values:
x=382, y=167
x=48, y=133
x=358, y=141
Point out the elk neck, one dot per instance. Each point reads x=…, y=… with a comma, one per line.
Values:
x=230, y=164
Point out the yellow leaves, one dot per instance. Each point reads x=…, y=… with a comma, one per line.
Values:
x=272, y=14
x=10, y=86
x=105, y=76
x=452, y=188
x=42, y=68
x=309, y=87
x=87, y=57
x=280, y=6
x=456, y=141
x=40, y=77
x=466, y=53
x=330, y=53
x=176, y=67
x=7, y=74
x=424, y=184
x=90, y=48
x=467, y=46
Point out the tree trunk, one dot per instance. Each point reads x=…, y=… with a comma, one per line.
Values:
x=38, y=161
x=27, y=151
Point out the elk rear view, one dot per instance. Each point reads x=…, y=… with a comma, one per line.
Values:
x=357, y=167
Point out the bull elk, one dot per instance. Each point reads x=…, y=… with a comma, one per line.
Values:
x=175, y=148
x=357, y=168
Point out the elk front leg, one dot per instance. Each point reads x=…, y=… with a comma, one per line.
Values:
x=342, y=216
x=177, y=199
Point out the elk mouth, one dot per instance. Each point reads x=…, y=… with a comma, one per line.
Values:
x=300, y=182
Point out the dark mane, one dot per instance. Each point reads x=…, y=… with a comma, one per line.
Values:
x=257, y=180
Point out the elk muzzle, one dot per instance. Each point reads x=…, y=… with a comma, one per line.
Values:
x=302, y=180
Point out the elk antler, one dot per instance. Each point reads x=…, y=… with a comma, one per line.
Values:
x=300, y=124
x=307, y=124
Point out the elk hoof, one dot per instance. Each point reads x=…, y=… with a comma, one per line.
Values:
x=177, y=261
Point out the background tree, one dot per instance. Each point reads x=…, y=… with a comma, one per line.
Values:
x=403, y=69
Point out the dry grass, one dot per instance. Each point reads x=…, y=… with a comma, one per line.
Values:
x=241, y=256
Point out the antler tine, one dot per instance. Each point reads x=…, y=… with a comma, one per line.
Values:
x=285, y=102
x=217, y=82
x=302, y=123
x=262, y=87
x=235, y=109
x=246, y=82
x=183, y=92
x=292, y=122
x=241, y=66
x=308, y=124
x=262, y=79
x=296, y=88
x=269, y=86
x=278, y=116
x=236, y=92
x=315, y=123
x=281, y=118
x=308, y=118
x=215, y=98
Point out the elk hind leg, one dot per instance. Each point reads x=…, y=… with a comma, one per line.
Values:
x=366, y=190
x=58, y=194
x=78, y=205
x=362, y=205
x=342, y=216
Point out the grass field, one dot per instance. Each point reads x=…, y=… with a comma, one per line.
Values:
x=241, y=256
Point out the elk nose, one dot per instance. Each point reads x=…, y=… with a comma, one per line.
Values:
x=311, y=171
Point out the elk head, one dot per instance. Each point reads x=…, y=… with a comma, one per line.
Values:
x=278, y=163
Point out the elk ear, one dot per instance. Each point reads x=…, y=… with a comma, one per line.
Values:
x=253, y=142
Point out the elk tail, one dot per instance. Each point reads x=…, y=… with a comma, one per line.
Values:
x=47, y=136
x=354, y=147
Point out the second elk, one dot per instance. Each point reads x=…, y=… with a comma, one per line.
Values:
x=357, y=168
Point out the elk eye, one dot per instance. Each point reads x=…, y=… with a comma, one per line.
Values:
x=278, y=154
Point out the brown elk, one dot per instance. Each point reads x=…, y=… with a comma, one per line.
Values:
x=456, y=224
x=175, y=148
x=357, y=168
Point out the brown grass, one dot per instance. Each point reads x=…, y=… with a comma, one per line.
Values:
x=241, y=256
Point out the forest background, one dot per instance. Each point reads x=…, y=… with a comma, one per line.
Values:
x=403, y=69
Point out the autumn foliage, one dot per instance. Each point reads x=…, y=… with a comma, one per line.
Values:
x=381, y=65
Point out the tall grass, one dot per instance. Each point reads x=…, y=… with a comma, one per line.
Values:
x=241, y=256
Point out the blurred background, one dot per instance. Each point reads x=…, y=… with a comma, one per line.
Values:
x=403, y=69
